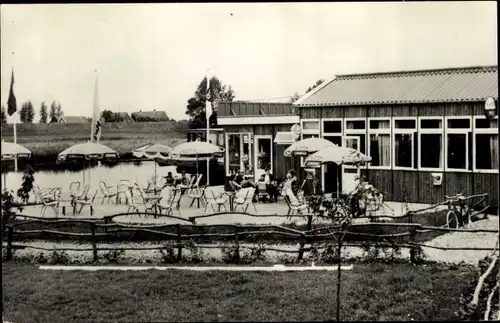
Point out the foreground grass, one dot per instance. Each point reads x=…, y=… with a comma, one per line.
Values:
x=369, y=292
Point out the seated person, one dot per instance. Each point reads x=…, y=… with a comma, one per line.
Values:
x=183, y=180
x=294, y=182
x=169, y=179
x=239, y=181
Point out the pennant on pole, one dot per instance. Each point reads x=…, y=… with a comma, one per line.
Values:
x=11, y=102
x=208, y=105
x=96, y=129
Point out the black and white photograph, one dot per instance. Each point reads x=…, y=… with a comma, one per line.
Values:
x=250, y=162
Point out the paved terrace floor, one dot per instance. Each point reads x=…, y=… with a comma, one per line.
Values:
x=280, y=209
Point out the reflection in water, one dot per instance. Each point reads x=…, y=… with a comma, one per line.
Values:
x=138, y=172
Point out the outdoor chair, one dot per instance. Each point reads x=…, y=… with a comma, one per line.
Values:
x=74, y=189
x=185, y=188
x=243, y=199
x=155, y=184
x=47, y=200
x=149, y=200
x=214, y=201
x=196, y=185
x=84, y=200
x=121, y=190
x=294, y=206
x=107, y=192
x=168, y=205
x=195, y=193
x=132, y=207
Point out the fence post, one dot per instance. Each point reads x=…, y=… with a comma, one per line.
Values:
x=9, y=242
x=308, y=228
x=179, y=241
x=413, y=250
x=94, y=242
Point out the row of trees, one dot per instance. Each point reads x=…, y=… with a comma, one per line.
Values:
x=110, y=116
x=27, y=113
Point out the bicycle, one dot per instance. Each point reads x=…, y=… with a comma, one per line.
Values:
x=459, y=210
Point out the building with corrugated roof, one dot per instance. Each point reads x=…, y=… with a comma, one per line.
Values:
x=425, y=130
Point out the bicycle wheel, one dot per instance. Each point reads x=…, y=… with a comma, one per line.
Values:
x=452, y=220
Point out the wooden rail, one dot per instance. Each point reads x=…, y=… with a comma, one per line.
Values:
x=325, y=233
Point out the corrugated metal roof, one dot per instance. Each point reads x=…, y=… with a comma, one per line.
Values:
x=423, y=86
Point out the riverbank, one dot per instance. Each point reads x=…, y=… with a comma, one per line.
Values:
x=48, y=140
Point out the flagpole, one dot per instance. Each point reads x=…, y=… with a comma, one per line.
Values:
x=207, y=105
x=16, y=117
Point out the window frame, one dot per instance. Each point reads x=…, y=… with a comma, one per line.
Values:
x=310, y=131
x=475, y=131
x=378, y=132
x=226, y=159
x=429, y=131
x=353, y=132
x=459, y=131
x=396, y=131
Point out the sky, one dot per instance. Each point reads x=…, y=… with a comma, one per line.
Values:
x=153, y=56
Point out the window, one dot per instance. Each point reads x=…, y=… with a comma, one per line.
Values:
x=310, y=126
x=355, y=127
x=379, y=146
x=486, y=145
x=430, y=143
x=458, y=132
x=404, y=133
x=239, y=152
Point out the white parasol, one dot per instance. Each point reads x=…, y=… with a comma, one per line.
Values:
x=307, y=146
x=154, y=152
x=196, y=150
x=338, y=155
x=87, y=151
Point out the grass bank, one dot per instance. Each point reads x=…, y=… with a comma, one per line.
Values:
x=369, y=292
x=51, y=139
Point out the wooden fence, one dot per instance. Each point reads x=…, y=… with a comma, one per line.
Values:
x=183, y=234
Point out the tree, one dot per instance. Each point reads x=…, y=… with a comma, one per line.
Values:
x=196, y=105
x=108, y=116
x=53, y=112
x=318, y=82
x=295, y=97
x=43, y=113
x=59, y=111
x=27, y=112
x=3, y=115
x=30, y=113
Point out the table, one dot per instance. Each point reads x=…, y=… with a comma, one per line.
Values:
x=231, y=196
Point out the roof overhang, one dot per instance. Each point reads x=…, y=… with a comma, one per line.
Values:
x=235, y=121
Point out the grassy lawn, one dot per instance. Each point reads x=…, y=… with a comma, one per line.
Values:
x=369, y=292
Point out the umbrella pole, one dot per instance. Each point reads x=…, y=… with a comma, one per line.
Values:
x=338, y=181
x=196, y=164
x=154, y=161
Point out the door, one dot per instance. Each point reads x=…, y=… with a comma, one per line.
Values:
x=263, y=154
x=330, y=171
x=350, y=172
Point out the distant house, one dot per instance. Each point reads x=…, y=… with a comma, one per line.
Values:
x=73, y=119
x=123, y=117
x=154, y=115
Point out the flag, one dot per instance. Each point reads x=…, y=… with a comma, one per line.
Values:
x=208, y=105
x=11, y=102
x=96, y=128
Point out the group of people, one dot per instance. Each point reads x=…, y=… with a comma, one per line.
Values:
x=310, y=186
